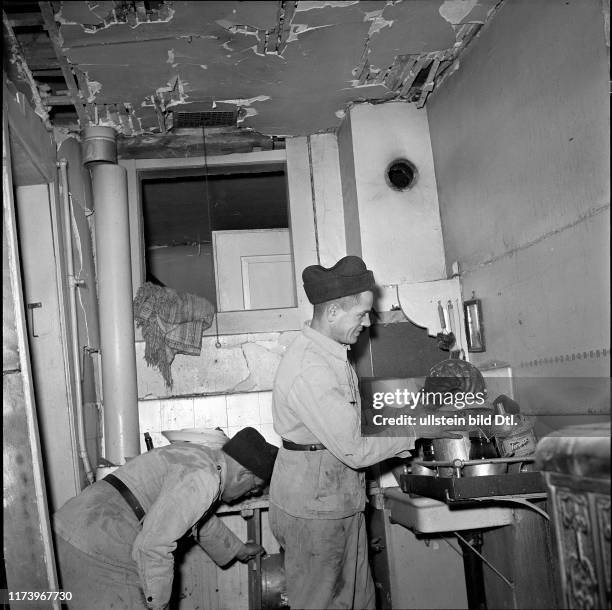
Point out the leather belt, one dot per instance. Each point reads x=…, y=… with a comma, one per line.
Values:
x=128, y=496
x=296, y=447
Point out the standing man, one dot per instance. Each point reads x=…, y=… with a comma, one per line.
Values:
x=115, y=540
x=317, y=493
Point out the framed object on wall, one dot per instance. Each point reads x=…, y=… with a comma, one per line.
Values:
x=474, y=328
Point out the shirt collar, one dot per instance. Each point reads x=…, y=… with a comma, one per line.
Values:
x=339, y=350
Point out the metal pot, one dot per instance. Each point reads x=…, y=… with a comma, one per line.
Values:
x=479, y=470
x=273, y=583
x=449, y=449
x=423, y=470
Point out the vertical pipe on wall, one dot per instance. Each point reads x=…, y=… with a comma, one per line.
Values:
x=73, y=284
x=121, y=432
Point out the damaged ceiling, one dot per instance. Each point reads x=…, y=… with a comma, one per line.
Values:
x=278, y=68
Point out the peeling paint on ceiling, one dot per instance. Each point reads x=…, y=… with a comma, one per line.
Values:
x=289, y=67
x=455, y=11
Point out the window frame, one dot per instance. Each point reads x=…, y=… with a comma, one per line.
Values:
x=301, y=226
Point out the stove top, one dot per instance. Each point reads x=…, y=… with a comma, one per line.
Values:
x=457, y=488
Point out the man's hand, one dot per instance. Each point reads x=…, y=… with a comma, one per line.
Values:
x=249, y=551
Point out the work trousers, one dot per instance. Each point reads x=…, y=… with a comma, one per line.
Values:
x=96, y=584
x=326, y=561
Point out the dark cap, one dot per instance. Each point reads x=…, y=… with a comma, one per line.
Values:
x=250, y=449
x=348, y=276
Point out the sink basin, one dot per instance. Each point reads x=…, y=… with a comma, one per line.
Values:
x=427, y=515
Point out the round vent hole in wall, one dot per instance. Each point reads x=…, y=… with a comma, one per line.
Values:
x=401, y=174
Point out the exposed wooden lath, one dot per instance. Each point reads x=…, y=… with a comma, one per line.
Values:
x=119, y=116
x=403, y=76
x=132, y=13
x=83, y=109
x=25, y=20
x=23, y=70
x=276, y=38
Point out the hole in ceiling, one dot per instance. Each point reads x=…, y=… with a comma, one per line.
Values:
x=150, y=5
x=401, y=174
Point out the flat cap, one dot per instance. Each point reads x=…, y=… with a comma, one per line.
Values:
x=250, y=449
x=348, y=276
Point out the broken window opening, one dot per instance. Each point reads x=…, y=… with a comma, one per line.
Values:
x=222, y=235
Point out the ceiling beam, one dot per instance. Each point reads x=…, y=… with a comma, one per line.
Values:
x=46, y=72
x=42, y=68
x=77, y=96
x=58, y=100
x=189, y=143
x=18, y=20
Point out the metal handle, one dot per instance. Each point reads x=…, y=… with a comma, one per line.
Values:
x=32, y=307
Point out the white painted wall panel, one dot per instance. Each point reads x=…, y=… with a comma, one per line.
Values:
x=401, y=235
x=329, y=212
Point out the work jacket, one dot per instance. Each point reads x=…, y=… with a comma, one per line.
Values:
x=178, y=487
x=316, y=400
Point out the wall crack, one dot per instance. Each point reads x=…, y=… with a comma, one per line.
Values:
x=582, y=218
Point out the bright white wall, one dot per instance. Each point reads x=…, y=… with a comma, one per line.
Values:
x=400, y=232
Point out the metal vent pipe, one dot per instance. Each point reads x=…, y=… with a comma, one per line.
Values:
x=118, y=352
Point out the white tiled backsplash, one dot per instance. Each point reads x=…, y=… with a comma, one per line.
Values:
x=230, y=412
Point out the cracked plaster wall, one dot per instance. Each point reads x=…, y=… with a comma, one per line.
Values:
x=524, y=189
x=243, y=363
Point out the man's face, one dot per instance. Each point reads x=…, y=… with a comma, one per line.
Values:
x=247, y=484
x=346, y=325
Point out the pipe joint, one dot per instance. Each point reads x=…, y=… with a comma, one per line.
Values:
x=75, y=282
